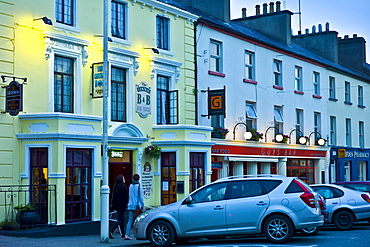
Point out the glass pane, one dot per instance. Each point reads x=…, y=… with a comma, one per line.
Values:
x=251, y=113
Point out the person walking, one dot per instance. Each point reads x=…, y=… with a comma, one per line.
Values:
x=119, y=203
x=136, y=198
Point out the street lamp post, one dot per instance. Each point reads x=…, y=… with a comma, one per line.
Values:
x=104, y=189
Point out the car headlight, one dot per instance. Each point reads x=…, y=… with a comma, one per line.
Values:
x=141, y=217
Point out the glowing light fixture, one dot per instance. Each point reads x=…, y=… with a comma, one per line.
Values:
x=319, y=141
x=46, y=20
x=154, y=50
x=247, y=135
x=301, y=139
x=278, y=137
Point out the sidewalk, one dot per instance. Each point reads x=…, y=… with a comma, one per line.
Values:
x=70, y=241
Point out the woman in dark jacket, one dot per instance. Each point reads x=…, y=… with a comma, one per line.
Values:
x=119, y=203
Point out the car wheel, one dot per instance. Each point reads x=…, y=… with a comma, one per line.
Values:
x=161, y=233
x=278, y=229
x=311, y=231
x=343, y=220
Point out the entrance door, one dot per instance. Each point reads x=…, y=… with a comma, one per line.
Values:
x=168, y=177
x=78, y=185
x=119, y=166
x=39, y=181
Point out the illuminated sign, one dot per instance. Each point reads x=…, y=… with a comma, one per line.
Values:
x=97, y=80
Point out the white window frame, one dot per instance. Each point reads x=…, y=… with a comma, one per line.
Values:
x=216, y=57
x=348, y=132
x=347, y=92
x=65, y=27
x=361, y=134
x=249, y=65
x=162, y=51
x=252, y=117
x=278, y=120
x=333, y=130
x=298, y=85
x=316, y=83
x=121, y=41
x=299, y=120
x=360, y=96
x=332, y=92
x=278, y=72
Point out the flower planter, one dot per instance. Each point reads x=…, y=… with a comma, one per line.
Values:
x=27, y=218
x=218, y=135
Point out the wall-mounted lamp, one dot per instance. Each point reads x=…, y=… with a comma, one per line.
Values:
x=109, y=38
x=154, y=50
x=318, y=141
x=247, y=134
x=278, y=137
x=46, y=20
x=301, y=139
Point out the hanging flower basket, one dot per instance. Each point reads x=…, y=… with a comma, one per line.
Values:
x=153, y=151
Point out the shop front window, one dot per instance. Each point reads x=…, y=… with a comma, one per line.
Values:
x=301, y=168
x=196, y=171
x=168, y=177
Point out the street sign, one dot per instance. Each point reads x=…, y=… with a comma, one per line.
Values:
x=14, y=98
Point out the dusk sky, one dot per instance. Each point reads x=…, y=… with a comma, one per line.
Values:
x=347, y=17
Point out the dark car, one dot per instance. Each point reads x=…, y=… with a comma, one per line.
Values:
x=363, y=186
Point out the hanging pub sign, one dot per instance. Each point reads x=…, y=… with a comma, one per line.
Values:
x=143, y=102
x=14, y=98
x=97, y=80
x=216, y=102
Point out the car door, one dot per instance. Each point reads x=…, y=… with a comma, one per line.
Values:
x=332, y=197
x=205, y=214
x=245, y=207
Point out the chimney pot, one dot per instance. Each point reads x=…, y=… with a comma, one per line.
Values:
x=346, y=36
x=278, y=6
x=244, y=12
x=271, y=7
x=354, y=35
x=327, y=26
x=313, y=29
x=264, y=8
x=307, y=31
x=258, y=10
x=320, y=28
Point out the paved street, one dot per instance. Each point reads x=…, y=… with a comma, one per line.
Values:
x=327, y=237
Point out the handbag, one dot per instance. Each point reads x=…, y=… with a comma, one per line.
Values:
x=138, y=210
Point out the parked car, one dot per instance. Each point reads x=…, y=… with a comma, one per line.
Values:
x=273, y=205
x=356, y=185
x=344, y=206
x=312, y=231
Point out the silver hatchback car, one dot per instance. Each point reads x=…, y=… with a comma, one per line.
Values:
x=273, y=205
x=344, y=206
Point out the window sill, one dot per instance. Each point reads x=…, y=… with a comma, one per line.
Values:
x=210, y=72
x=250, y=81
x=298, y=92
x=361, y=106
x=332, y=99
x=316, y=96
x=165, y=52
x=278, y=87
x=348, y=103
x=66, y=28
x=120, y=41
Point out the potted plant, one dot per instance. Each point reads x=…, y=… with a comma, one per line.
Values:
x=26, y=215
x=219, y=132
x=8, y=225
x=153, y=151
x=256, y=136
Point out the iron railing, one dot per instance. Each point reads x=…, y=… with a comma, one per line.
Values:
x=40, y=197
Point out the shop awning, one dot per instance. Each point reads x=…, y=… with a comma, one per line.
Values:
x=237, y=158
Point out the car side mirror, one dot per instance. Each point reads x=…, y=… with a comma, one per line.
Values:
x=188, y=200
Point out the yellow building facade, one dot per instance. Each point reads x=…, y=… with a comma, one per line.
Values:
x=53, y=147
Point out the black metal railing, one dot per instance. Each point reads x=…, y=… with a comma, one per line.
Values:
x=38, y=198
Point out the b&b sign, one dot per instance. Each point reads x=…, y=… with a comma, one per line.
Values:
x=14, y=98
x=143, y=99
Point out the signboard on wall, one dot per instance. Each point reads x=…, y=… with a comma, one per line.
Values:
x=216, y=102
x=97, y=80
x=14, y=98
x=147, y=180
x=143, y=101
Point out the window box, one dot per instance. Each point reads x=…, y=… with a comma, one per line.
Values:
x=332, y=99
x=348, y=103
x=316, y=96
x=298, y=92
x=361, y=106
x=210, y=72
x=250, y=81
x=278, y=87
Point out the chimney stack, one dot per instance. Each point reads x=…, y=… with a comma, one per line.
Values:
x=264, y=8
x=272, y=7
x=258, y=10
x=278, y=4
x=244, y=12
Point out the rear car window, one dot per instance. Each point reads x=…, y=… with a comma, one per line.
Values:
x=270, y=185
x=297, y=186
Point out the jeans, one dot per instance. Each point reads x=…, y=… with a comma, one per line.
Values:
x=120, y=222
x=130, y=220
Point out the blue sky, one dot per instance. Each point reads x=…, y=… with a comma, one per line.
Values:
x=347, y=17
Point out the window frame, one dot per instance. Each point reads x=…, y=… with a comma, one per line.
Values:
x=316, y=83
x=298, y=85
x=360, y=96
x=332, y=91
x=72, y=8
x=278, y=120
x=278, y=73
x=299, y=121
x=347, y=92
x=249, y=66
x=124, y=83
x=216, y=57
x=163, y=27
x=361, y=134
x=333, y=130
x=251, y=121
x=117, y=19
x=317, y=124
x=63, y=92
x=348, y=132
x=170, y=112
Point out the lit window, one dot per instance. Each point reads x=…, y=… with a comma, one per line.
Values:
x=163, y=33
x=64, y=11
x=215, y=56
